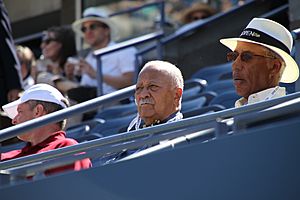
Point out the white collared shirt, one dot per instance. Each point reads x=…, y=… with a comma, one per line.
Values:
x=114, y=64
x=264, y=95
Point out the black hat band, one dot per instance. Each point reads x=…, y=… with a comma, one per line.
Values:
x=261, y=37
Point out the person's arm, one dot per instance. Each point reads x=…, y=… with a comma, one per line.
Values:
x=119, y=82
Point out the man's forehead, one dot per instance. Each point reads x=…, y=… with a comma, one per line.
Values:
x=91, y=22
x=155, y=75
x=246, y=46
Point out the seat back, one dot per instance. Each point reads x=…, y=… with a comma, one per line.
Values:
x=214, y=73
x=220, y=87
x=226, y=99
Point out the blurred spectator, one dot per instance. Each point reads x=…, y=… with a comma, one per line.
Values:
x=27, y=60
x=196, y=12
x=57, y=45
x=10, y=75
x=118, y=68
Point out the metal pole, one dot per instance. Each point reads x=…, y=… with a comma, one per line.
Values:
x=99, y=76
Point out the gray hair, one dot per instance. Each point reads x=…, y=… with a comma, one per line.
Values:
x=277, y=56
x=169, y=69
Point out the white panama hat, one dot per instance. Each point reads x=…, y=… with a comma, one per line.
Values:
x=95, y=14
x=274, y=36
x=41, y=92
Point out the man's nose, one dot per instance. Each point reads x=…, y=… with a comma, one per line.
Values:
x=237, y=64
x=144, y=93
x=14, y=120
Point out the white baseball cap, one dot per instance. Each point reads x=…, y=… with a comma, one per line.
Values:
x=274, y=36
x=41, y=92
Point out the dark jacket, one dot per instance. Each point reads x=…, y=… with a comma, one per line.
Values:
x=10, y=77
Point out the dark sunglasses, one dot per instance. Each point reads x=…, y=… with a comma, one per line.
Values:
x=48, y=40
x=245, y=56
x=92, y=27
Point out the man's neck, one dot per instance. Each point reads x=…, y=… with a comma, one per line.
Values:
x=43, y=133
x=100, y=45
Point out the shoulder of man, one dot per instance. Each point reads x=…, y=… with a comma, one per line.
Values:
x=84, y=52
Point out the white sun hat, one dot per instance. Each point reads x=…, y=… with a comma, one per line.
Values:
x=41, y=92
x=274, y=36
x=96, y=14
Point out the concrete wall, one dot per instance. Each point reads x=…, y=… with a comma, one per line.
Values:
x=21, y=10
x=294, y=6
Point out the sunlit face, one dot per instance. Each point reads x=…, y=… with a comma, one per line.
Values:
x=95, y=33
x=253, y=75
x=156, y=97
x=25, y=113
x=51, y=47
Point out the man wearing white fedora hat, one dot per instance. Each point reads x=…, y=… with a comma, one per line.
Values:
x=261, y=59
x=37, y=101
x=99, y=31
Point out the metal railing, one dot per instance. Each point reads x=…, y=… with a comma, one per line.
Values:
x=102, y=146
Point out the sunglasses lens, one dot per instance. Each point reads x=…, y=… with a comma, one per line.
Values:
x=83, y=29
x=232, y=56
x=93, y=26
x=48, y=40
x=246, y=56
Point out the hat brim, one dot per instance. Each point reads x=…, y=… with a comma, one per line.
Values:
x=11, y=108
x=78, y=23
x=291, y=71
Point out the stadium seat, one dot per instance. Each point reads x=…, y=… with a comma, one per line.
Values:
x=199, y=101
x=214, y=73
x=221, y=86
x=226, y=99
x=203, y=110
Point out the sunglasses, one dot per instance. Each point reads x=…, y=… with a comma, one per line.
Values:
x=92, y=27
x=48, y=40
x=246, y=56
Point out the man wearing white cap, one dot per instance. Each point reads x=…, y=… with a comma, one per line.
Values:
x=37, y=101
x=261, y=59
x=99, y=32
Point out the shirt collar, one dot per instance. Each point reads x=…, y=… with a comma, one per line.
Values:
x=54, y=137
x=264, y=95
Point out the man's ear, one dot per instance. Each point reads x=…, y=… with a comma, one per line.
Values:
x=39, y=110
x=178, y=93
x=276, y=67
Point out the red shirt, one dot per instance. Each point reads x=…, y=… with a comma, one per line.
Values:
x=55, y=141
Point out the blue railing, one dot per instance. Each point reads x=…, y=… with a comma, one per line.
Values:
x=91, y=147
x=203, y=122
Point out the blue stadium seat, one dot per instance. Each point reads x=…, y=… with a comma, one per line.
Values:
x=81, y=132
x=221, y=86
x=203, y=110
x=113, y=126
x=226, y=99
x=117, y=111
x=198, y=101
x=214, y=73
x=193, y=87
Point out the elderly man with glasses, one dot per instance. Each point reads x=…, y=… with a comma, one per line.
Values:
x=261, y=59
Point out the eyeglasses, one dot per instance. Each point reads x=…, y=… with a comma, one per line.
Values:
x=48, y=40
x=92, y=27
x=245, y=56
